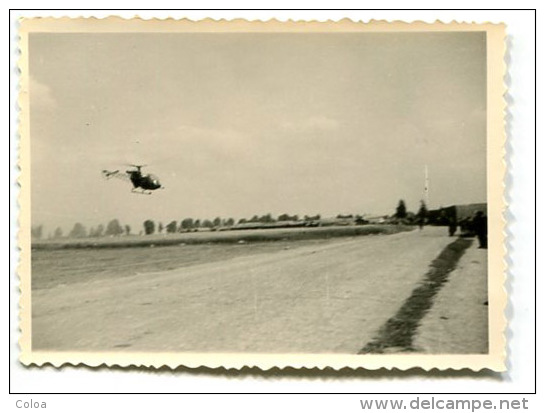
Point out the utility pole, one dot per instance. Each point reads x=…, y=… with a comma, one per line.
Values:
x=426, y=187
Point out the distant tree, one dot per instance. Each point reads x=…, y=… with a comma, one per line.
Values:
x=149, y=227
x=127, y=230
x=160, y=227
x=229, y=222
x=96, y=232
x=242, y=221
x=287, y=217
x=266, y=219
x=78, y=231
x=57, y=233
x=401, y=210
x=217, y=222
x=255, y=218
x=171, y=227
x=423, y=211
x=207, y=224
x=187, y=224
x=37, y=232
x=114, y=228
x=197, y=224
x=99, y=232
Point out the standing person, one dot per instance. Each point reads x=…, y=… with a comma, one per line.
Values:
x=480, y=226
x=452, y=224
x=422, y=212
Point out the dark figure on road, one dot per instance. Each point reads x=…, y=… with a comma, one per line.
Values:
x=420, y=223
x=480, y=226
x=452, y=224
x=466, y=227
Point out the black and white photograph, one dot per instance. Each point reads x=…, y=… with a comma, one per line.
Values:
x=323, y=192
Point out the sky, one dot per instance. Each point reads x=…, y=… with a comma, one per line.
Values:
x=237, y=125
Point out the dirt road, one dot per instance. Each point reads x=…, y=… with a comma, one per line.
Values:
x=317, y=299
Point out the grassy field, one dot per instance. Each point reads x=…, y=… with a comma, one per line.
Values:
x=82, y=261
x=220, y=237
x=58, y=267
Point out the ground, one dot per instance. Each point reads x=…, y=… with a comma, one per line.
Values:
x=297, y=297
x=458, y=320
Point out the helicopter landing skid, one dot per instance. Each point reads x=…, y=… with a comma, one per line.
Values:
x=142, y=192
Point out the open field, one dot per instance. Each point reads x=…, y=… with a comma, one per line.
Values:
x=114, y=257
x=309, y=296
x=224, y=237
x=65, y=267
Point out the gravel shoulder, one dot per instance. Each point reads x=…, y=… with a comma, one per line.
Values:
x=457, y=323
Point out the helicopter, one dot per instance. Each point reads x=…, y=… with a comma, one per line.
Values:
x=146, y=183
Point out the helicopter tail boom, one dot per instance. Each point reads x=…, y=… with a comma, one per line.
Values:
x=109, y=174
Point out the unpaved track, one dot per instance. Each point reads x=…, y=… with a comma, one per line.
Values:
x=330, y=298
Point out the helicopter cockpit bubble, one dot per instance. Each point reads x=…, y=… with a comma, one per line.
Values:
x=154, y=180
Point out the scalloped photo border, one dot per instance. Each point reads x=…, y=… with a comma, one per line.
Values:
x=496, y=169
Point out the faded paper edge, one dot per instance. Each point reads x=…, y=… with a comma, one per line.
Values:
x=496, y=169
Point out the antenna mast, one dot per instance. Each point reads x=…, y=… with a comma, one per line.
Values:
x=426, y=187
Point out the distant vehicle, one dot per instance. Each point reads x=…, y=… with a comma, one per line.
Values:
x=146, y=183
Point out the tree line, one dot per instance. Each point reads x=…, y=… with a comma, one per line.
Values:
x=402, y=215
x=190, y=224
x=115, y=228
x=149, y=226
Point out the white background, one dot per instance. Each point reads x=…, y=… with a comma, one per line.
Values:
x=521, y=241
